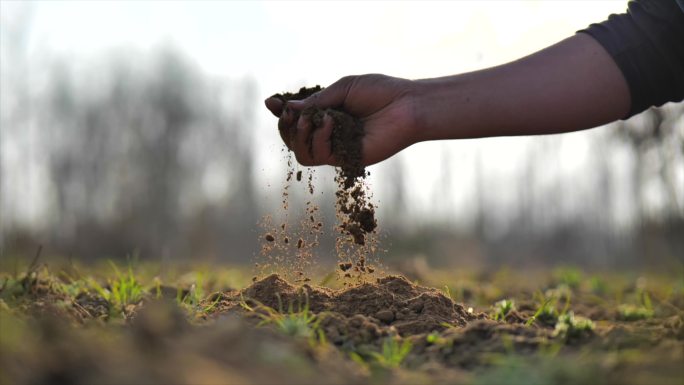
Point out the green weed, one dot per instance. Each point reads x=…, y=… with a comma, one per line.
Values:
x=569, y=327
x=300, y=323
x=393, y=352
x=547, y=313
x=123, y=290
x=642, y=310
x=502, y=308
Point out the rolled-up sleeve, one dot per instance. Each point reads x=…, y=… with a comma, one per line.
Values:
x=647, y=44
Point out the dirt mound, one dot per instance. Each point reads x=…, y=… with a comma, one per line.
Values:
x=392, y=304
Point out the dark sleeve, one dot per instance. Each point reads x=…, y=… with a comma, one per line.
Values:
x=647, y=43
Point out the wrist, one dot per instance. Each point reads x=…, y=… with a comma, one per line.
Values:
x=432, y=109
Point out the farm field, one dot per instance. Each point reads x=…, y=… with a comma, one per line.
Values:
x=144, y=323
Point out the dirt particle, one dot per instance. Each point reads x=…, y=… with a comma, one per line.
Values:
x=345, y=266
x=269, y=237
x=299, y=176
x=385, y=315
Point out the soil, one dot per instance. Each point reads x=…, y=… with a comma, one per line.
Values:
x=50, y=336
x=357, y=224
x=363, y=313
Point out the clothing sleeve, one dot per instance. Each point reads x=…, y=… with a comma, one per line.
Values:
x=647, y=44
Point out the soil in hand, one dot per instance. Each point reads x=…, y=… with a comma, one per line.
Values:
x=357, y=224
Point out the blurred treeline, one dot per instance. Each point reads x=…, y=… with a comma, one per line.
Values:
x=138, y=154
x=146, y=154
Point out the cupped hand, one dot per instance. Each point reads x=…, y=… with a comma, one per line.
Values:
x=385, y=105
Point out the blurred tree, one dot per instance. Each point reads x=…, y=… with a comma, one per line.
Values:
x=130, y=148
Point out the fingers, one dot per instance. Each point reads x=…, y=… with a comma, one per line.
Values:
x=275, y=105
x=312, y=143
x=321, y=149
x=332, y=96
x=286, y=126
x=302, y=140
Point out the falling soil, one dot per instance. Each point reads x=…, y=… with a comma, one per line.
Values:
x=356, y=214
x=289, y=249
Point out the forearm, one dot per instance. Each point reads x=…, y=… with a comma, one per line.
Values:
x=570, y=86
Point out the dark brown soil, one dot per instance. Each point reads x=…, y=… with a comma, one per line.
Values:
x=363, y=313
x=303, y=93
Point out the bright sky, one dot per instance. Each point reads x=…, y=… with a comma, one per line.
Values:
x=283, y=45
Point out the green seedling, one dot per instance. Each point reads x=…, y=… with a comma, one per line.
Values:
x=547, y=313
x=447, y=292
x=630, y=312
x=124, y=289
x=569, y=326
x=212, y=305
x=393, y=352
x=194, y=295
x=300, y=323
x=502, y=308
x=435, y=339
x=642, y=310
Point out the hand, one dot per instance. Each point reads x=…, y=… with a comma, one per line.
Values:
x=386, y=106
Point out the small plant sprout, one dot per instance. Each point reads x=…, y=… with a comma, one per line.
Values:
x=124, y=289
x=447, y=292
x=643, y=310
x=435, y=339
x=546, y=314
x=393, y=352
x=300, y=323
x=196, y=292
x=569, y=326
x=629, y=312
x=502, y=308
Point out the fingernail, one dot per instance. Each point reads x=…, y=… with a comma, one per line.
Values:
x=296, y=103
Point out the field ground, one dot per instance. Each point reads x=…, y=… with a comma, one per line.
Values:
x=144, y=324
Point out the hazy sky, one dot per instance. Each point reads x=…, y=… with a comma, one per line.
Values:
x=284, y=45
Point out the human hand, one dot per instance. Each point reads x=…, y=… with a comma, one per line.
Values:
x=385, y=105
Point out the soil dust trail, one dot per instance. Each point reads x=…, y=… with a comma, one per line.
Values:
x=356, y=244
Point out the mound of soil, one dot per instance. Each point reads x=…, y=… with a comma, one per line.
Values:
x=363, y=313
